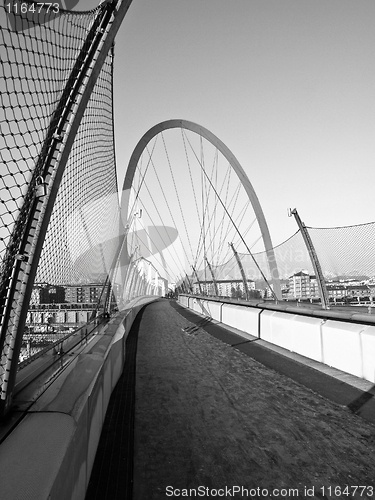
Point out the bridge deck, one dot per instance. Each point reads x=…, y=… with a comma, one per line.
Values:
x=208, y=414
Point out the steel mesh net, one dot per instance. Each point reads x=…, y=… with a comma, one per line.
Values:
x=343, y=252
x=35, y=60
x=82, y=237
x=38, y=53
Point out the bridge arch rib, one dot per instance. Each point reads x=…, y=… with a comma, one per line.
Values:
x=232, y=160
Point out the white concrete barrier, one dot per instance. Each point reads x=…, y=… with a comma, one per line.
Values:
x=214, y=309
x=183, y=300
x=307, y=337
x=275, y=327
x=242, y=318
x=368, y=353
x=191, y=302
x=198, y=306
x=342, y=346
x=300, y=334
x=341, y=343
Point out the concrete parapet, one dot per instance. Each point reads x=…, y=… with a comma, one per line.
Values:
x=214, y=309
x=342, y=340
x=342, y=346
x=367, y=338
x=242, y=318
x=300, y=334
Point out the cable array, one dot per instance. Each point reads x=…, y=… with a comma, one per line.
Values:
x=193, y=205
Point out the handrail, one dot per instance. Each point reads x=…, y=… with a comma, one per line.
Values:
x=58, y=343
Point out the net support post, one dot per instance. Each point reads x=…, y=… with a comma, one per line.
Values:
x=213, y=278
x=196, y=277
x=246, y=288
x=314, y=258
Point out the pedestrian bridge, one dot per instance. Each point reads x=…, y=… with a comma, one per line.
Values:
x=168, y=386
x=186, y=223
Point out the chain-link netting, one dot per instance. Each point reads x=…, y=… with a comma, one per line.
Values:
x=343, y=252
x=82, y=237
x=35, y=61
x=291, y=256
x=41, y=51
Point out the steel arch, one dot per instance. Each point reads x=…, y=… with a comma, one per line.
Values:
x=225, y=151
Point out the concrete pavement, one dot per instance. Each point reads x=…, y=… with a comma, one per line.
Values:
x=210, y=418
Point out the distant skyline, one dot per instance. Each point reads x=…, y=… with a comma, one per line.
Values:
x=287, y=85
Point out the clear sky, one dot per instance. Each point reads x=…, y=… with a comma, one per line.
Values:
x=287, y=85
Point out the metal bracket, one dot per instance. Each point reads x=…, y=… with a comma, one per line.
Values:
x=41, y=187
x=22, y=257
x=57, y=136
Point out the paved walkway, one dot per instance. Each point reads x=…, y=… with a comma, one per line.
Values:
x=212, y=419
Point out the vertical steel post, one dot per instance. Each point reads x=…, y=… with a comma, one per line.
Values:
x=149, y=277
x=314, y=259
x=190, y=284
x=213, y=278
x=156, y=282
x=247, y=294
x=196, y=277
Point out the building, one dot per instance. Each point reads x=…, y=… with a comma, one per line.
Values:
x=303, y=285
x=83, y=294
x=336, y=291
x=299, y=286
x=226, y=288
x=358, y=292
x=52, y=294
x=35, y=295
x=314, y=289
x=44, y=293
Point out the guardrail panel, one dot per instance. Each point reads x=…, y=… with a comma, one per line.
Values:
x=307, y=337
x=183, y=300
x=368, y=352
x=214, y=309
x=275, y=327
x=342, y=346
x=242, y=318
x=329, y=337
